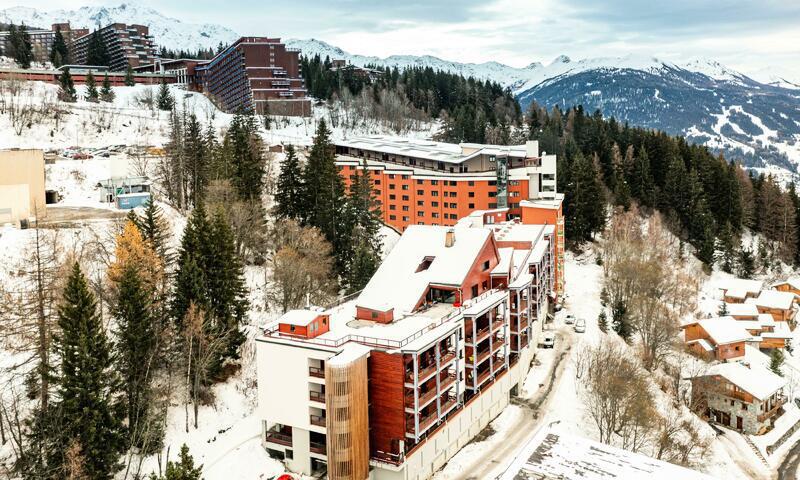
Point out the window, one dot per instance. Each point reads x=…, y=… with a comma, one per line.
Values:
x=434, y=193
x=486, y=265
x=420, y=213
x=492, y=194
x=392, y=207
x=453, y=205
x=492, y=205
x=391, y=186
x=548, y=176
x=513, y=183
x=391, y=176
x=434, y=204
x=435, y=215
x=471, y=206
x=377, y=181
x=291, y=328
x=420, y=182
x=405, y=208
x=420, y=203
x=434, y=182
x=452, y=183
x=374, y=315
x=471, y=195
x=420, y=192
x=485, y=285
x=492, y=183
x=405, y=198
x=406, y=219
x=404, y=187
x=405, y=177
x=289, y=454
x=471, y=183
x=392, y=217
x=475, y=290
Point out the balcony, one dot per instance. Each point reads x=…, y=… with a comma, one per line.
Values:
x=497, y=345
x=480, y=335
x=424, y=422
x=316, y=396
x=316, y=372
x=426, y=397
x=480, y=358
x=498, y=323
x=318, y=448
x=482, y=377
x=774, y=410
x=279, y=438
x=317, y=420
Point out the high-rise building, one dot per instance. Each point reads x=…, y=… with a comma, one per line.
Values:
x=420, y=182
x=391, y=383
x=258, y=74
x=42, y=40
x=127, y=45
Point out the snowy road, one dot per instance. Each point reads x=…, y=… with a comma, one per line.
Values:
x=494, y=461
x=788, y=468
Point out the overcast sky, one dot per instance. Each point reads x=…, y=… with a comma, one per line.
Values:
x=747, y=35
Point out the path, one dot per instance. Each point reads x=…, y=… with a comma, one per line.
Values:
x=483, y=465
x=788, y=468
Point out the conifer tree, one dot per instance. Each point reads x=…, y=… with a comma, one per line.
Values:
x=642, y=184
x=196, y=160
x=92, y=94
x=289, y=201
x=746, y=267
x=621, y=322
x=129, y=79
x=602, y=321
x=97, y=51
x=584, y=203
x=776, y=361
x=59, y=54
x=183, y=469
x=723, y=309
x=86, y=384
x=155, y=230
x=106, y=93
x=19, y=46
x=66, y=91
x=164, y=100
x=244, y=152
x=190, y=277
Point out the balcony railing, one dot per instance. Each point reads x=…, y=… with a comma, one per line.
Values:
x=497, y=324
x=426, y=372
x=316, y=396
x=482, y=377
x=318, y=448
x=316, y=372
x=279, y=438
x=317, y=420
x=771, y=412
x=426, y=397
x=480, y=335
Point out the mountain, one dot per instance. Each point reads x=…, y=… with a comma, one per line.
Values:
x=168, y=32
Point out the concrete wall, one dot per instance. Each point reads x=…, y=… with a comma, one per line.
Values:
x=21, y=184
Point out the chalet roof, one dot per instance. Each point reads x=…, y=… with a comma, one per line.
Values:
x=793, y=282
x=736, y=286
x=741, y=310
x=723, y=330
x=758, y=381
x=775, y=299
x=397, y=284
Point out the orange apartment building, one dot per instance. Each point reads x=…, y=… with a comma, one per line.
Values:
x=421, y=182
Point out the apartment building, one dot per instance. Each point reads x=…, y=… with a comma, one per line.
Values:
x=390, y=383
x=420, y=182
x=256, y=73
x=22, y=193
x=744, y=397
x=128, y=45
x=42, y=39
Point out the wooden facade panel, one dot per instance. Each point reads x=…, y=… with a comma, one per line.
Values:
x=387, y=415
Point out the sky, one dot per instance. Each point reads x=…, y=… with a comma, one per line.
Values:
x=750, y=36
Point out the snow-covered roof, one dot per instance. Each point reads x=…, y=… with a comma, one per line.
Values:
x=793, y=282
x=554, y=454
x=349, y=353
x=504, y=266
x=739, y=285
x=397, y=284
x=775, y=299
x=741, y=309
x=723, y=330
x=767, y=320
x=299, y=317
x=430, y=150
x=549, y=203
x=703, y=343
x=758, y=381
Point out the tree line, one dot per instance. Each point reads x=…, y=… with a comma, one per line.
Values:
x=102, y=393
x=472, y=110
x=706, y=200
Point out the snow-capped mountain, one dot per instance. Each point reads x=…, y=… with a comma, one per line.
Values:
x=168, y=32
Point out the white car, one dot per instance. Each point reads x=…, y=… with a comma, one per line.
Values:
x=569, y=319
x=580, y=325
x=548, y=340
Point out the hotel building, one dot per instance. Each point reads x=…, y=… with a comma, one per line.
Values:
x=390, y=383
x=127, y=45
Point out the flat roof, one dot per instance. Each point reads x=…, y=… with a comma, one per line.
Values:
x=300, y=318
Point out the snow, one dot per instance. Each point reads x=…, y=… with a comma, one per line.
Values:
x=351, y=352
x=742, y=310
x=755, y=380
x=775, y=299
x=298, y=317
x=723, y=330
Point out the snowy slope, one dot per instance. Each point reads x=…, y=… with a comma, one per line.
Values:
x=168, y=32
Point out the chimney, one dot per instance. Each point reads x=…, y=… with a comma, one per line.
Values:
x=450, y=238
x=532, y=148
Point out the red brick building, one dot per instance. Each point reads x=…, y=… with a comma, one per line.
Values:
x=128, y=45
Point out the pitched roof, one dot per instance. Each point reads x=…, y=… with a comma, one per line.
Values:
x=793, y=282
x=739, y=285
x=741, y=309
x=755, y=380
x=723, y=330
x=775, y=299
x=397, y=284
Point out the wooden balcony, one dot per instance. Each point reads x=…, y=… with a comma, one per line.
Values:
x=279, y=438
x=497, y=324
x=781, y=401
x=317, y=420
x=318, y=448
x=480, y=335
x=316, y=372
x=426, y=397
x=316, y=396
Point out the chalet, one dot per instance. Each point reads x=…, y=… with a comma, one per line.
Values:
x=721, y=338
x=791, y=284
x=737, y=290
x=740, y=311
x=781, y=305
x=745, y=398
x=766, y=332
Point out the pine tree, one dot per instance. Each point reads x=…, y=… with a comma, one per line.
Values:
x=244, y=152
x=86, y=383
x=19, y=46
x=196, y=160
x=91, y=88
x=776, y=361
x=602, y=321
x=747, y=263
x=183, y=469
x=59, y=54
x=129, y=79
x=620, y=321
x=726, y=250
x=136, y=347
x=190, y=278
x=66, y=91
x=642, y=183
x=289, y=202
x=363, y=222
x=106, y=93
x=584, y=203
x=164, y=100
x=723, y=309
x=155, y=230
x=97, y=51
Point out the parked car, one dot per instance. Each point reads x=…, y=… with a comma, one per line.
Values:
x=569, y=319
x=548, y=340
x=580, y=325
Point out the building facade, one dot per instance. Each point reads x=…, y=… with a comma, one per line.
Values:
x=392, y=383
x=420, y=182
x=256, y=73
x=42, y=40
x=128, y=45
x=21, y=185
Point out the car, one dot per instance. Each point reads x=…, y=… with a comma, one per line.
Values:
x=580, y=325
x=548, y=340
x=569, y=319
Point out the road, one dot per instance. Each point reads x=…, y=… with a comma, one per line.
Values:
x=483, y=466
x=788, y=468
